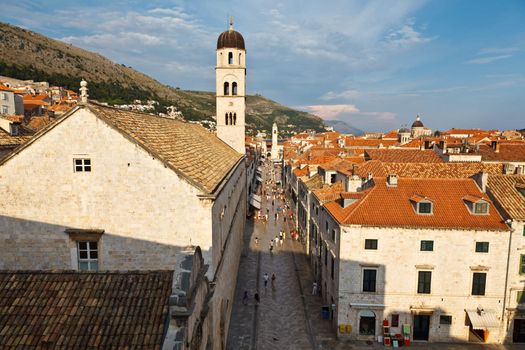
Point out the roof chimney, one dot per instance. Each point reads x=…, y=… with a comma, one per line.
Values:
x=495, y=146
x=391, y=180
x=481, y=179
x=83, y=91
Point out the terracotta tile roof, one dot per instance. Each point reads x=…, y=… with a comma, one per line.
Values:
x=301, y=172
x=508, y=152
x=427, y=170
x=37, y=123
x=7, y=140
x=465, y=131
x=504, y=188
x=403, y=156
x=316, y=181
x=13, y=118
x=81, y=310
x=369, y=143
x=386, y=206
x=5, y=88
x=189, y=149
x=415, y=143
x=329, y=192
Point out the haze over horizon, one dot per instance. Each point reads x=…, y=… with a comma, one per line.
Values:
x=373, y=64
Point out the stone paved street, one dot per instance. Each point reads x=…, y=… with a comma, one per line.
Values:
x=288, y=316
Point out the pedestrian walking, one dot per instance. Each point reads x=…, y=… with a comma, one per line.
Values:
x=256, y=297
x=276, y=239
x=245, y=298
x=265, y=278
x=281, y=241
x=275, y=216
x=314, y=288
x=273, y=280
x=256, y=240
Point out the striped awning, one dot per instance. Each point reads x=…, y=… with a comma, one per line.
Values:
x=481, y=320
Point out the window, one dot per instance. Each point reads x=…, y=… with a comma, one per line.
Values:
x=333, y=235
x=332, y=268
x=87, y=256
x=332, y=178
x=481, y=207
x=520, y=297
x=424, y=208
x=4, y=110
x=326, y=226
x=523, y=230
x=226, y=88
x=369, y=280
x=424, y=282
x=478, y=283
x=427, y=246
x=482, y=247
x=445, y=319
x=371, y=244
x=4, y=96
x=522, y=264
x=230, y=57
x=367, y=323
x=234, y=118
x=395, y=320
x=234, y=88
x=226, y=119
x=82, y=165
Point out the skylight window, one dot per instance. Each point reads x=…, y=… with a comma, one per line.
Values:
x=424, y=207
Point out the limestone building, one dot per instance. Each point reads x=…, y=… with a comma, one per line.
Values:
x=276, y=151
x=423, y=254
x=108, y=189
x=230, y=74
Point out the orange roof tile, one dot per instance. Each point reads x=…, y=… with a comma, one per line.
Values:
x=369, y=143
x=387, y=206
x=403, y=156
x=507, y=152
x=506, y=190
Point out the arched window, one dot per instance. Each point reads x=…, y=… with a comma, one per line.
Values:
x=234, y=118
x=226, y=119
x=230, y=119
x=240, y=55
x=226, y=88
x=234, y=88
x=230, y=57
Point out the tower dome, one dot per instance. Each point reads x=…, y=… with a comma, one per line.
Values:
x=230, y=39
x=418, y=123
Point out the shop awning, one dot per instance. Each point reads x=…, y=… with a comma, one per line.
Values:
x=482, y=319
x=254, y=202
x=367, y=306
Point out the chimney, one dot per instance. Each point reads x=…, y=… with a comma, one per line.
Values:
x=391, y=180
x=495, y=146
x=481, y=179
x=354, y=169
x=83, y=91
x=443, y=145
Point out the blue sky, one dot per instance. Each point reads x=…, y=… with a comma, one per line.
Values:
x=374, y=64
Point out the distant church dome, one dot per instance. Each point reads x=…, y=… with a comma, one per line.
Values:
x=230, y=38
x=418, y=123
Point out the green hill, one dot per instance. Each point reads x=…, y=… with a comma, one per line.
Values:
x=28, y=55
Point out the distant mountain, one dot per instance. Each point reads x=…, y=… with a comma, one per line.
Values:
x=28, y=55
x=343, y=127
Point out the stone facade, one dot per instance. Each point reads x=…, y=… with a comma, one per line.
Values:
x=148, y=213
x=231, y=94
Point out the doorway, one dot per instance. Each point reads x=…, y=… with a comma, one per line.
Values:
x=518, y=334
x=421, y=327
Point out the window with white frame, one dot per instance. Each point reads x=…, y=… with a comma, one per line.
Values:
x=424, y=207
x=4, y=110
x=481, y=207
x=3, y=96
x=87, y=256
x=82, y=165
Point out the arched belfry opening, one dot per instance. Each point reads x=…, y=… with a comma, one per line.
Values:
x=226, y=88
x=230, y=57
x=226, y=119
x=234, y=88
x=234, y=118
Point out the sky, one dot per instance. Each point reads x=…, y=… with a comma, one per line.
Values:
x=373, y=64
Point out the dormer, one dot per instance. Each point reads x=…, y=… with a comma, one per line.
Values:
x=391, y=180
x=10, y=127
x=422, y=205
x=476, y=205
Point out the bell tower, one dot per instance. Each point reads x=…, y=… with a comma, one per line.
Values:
x=230, y=75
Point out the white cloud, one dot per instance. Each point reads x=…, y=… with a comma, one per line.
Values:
x=405, y=37
x=488, y=59
x=344, y=95
x=498, y=50
x=348, y=111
